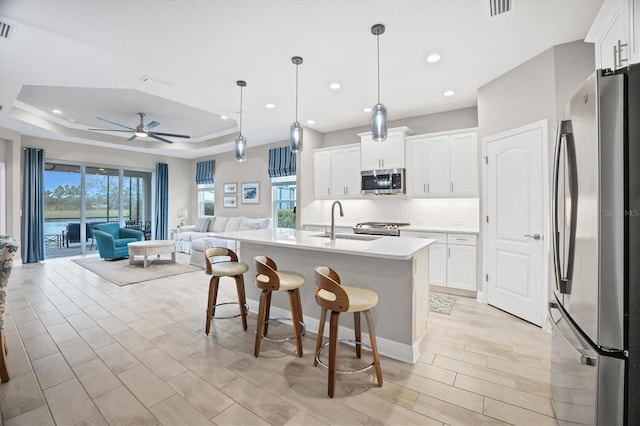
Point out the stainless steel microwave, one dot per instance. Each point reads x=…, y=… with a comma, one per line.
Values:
x=383, y=181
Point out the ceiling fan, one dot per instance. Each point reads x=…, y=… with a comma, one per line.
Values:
x=141, y=130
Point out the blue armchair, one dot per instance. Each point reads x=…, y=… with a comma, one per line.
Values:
x=112, y=240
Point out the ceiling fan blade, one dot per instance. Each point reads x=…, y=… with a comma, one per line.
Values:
x=159, y=138
x=174, y=135
x=113, y=122
x=153, y=124
x=131, y=138
x=111, y=130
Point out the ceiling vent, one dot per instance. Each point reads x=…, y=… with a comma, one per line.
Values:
x=6, y=29
x=499, y=7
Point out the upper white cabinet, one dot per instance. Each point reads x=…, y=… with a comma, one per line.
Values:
x=334, y=174
x=442, y=165
x=616, y=34
x=389, y=154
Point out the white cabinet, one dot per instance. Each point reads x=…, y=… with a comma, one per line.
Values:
x=452, y=259
x=334, y=173
x=442, y=165
x=389, y=154
x=616, y=34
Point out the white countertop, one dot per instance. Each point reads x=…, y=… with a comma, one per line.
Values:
x=416, y=228
x=384, y=247
x=444, y=229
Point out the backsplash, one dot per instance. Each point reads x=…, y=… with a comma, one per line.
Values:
x=437, y=212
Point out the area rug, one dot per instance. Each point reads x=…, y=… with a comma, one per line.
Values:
x=121, y=273
x=441, y=304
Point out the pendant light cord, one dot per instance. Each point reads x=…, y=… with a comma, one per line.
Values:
x=297, y=92
x=378, y=49
x=240, y=110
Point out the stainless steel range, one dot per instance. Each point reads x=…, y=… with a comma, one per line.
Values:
x=379, y=228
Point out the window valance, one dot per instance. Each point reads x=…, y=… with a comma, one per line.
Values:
x=205, y=172
x=282, y=162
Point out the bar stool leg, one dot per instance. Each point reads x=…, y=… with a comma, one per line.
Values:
x=242, y=299
x=333, y=351
x=358, y=333
x=374, y=347
x=296, y=318
x=211, y=308
x=264, y=296
x=267, y=313
x=323, y=318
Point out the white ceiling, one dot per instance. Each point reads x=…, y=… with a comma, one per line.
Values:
x=88, y=59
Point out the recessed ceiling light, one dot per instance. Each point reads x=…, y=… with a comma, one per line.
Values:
x=56, y=111
x=311, y=122
x=224, y=117
x=367, y=109
x=72, y=120
x=433, y=58
x=270, y=105
x=449, y=93
x=334, y=86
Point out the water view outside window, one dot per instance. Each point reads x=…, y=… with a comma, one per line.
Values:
x=284, y=202
x=61, y=197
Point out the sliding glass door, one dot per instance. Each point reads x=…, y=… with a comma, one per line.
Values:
x=77, y=197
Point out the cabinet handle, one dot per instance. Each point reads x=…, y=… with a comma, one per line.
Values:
x=449, y=250
x=461, y=239
x=428, y=190
x=451, y=186
x=617, y=55
x=424, y=187
x=328, y=191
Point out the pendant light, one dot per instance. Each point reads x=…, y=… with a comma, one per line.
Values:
x=379, y=115
x=241, y=142
x=296, y=128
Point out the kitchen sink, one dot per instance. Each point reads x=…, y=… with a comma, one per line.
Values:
x=359, y=237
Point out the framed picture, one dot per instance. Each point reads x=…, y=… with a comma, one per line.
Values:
x=251, y=193
x=230, y=188
x=230, y=202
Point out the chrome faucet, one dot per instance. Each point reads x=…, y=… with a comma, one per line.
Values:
x=333, y=220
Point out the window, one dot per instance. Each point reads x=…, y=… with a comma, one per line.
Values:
x=206, y=196
x=284, y=201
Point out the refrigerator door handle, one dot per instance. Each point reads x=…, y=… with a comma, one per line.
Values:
x=563, y=262
x=585, y=357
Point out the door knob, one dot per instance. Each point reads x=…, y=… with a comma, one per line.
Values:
x=534, y=236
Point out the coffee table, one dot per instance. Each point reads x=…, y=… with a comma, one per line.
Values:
x=151, y=248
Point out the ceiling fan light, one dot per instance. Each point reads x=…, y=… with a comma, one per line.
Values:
x=296, y=137
x=241, y=149
x=379, y=123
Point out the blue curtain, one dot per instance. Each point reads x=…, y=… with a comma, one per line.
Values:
x=33, y=206
x=162, y=202
x=282, y=162
x=205, y=172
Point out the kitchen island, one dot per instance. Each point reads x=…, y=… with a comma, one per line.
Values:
x=395, y=268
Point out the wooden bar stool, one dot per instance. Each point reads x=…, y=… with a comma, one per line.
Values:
x=269, y=279
x=223, y=262
x=333, y=296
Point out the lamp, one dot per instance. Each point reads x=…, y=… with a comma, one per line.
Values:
x=296, y=128
x=241, y=142
x=182, y=214
x=379, y=115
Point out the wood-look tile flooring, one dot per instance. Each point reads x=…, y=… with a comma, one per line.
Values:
x=83, y=351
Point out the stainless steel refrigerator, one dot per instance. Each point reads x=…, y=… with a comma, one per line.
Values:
x=595, y=306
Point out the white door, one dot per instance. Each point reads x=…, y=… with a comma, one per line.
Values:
x=514, y=225
x=438, y=182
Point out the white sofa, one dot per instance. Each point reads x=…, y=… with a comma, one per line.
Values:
x=218, y=225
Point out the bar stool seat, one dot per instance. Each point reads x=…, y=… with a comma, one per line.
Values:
x=218, y=268
x=270, y=279
x=332, y=296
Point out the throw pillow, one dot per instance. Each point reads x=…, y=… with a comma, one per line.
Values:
x=248, y=224
x=202, y=224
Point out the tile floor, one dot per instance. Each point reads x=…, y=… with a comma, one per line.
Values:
x=83, y=351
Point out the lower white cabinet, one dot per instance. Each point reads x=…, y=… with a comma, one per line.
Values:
x=452, y=259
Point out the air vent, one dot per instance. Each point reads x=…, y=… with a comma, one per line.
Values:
x=498, y=7
x=6, y=29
